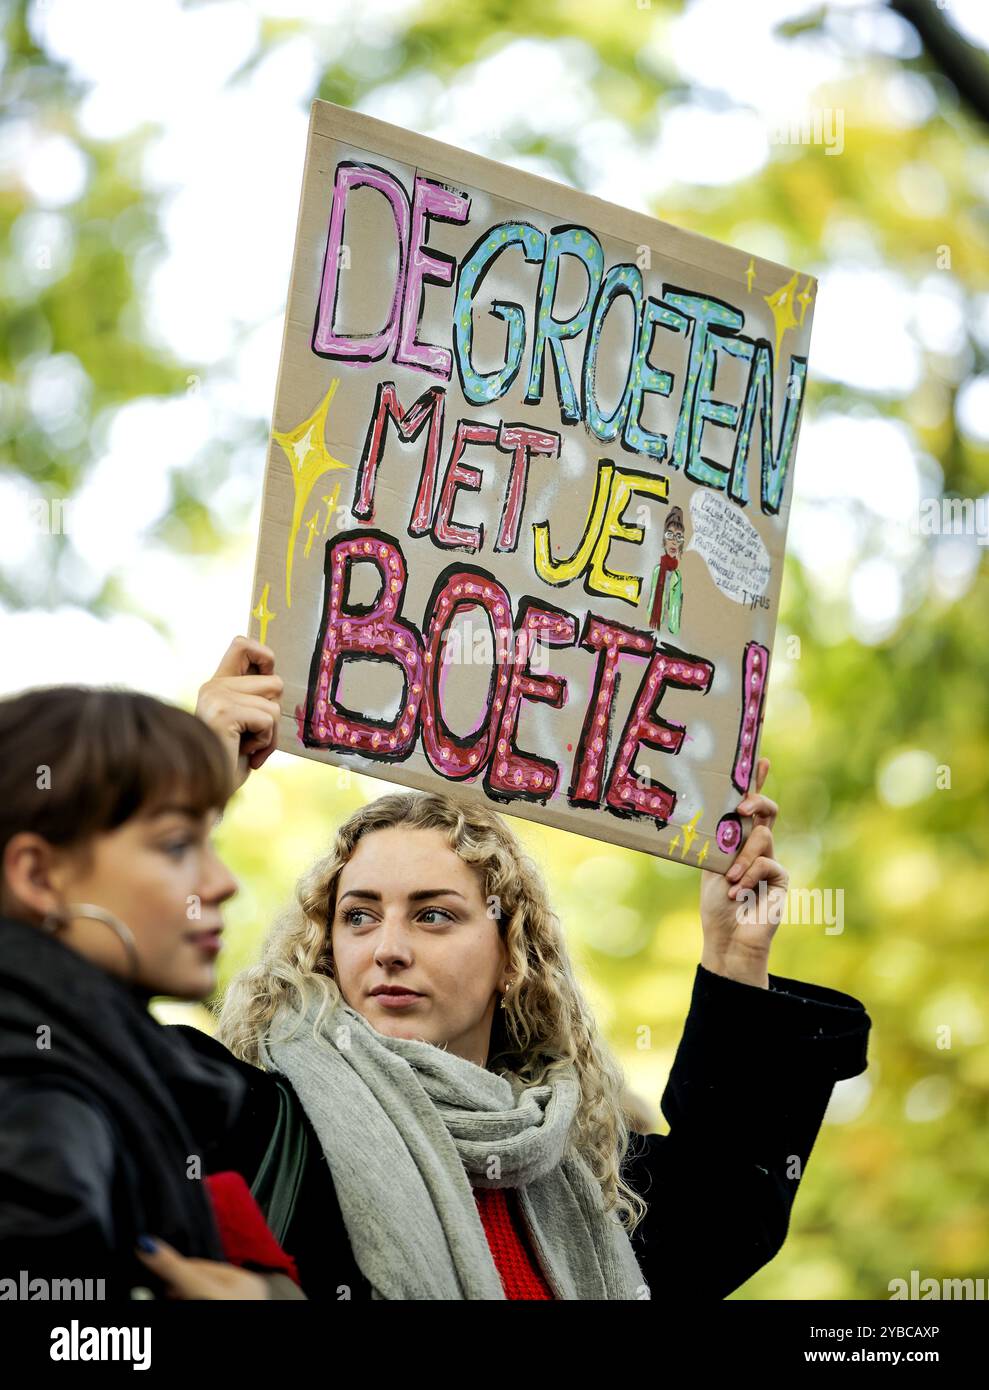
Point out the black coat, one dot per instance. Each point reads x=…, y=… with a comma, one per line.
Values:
x=750, y=1083
x=101, y=1125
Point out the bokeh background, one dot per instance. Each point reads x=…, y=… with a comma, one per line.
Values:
x=150, y=162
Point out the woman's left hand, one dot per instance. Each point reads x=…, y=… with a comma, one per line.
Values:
x=738, y=916
x=185, y=1277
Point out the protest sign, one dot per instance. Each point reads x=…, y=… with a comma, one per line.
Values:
x=527, y=491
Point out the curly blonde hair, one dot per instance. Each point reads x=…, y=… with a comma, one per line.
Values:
x=546, y=1025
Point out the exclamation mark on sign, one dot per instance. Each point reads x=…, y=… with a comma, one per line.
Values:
x=755, y=666
x=755, y=669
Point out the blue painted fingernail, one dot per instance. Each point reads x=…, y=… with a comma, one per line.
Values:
x=146, y=1244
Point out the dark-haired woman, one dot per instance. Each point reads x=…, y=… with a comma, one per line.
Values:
x=110, y=893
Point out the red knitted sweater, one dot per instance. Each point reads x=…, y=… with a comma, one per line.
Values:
x=510, y=1246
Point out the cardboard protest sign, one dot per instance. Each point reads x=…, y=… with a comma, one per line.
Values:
x=527, y=492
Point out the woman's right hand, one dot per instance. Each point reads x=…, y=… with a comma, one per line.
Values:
x=240, y=704
x=187, y=1278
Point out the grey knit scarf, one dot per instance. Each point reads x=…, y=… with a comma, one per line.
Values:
x=408, y=1128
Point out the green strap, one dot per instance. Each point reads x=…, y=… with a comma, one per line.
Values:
x=276, y=1184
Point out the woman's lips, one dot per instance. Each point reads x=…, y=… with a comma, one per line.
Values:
x=397, y=1001
x=209, y=941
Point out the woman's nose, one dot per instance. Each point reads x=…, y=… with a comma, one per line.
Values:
x=220, y=884
x=392, y=941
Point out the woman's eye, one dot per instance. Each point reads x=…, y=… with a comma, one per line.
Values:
x=177, y=848
x=351, y=914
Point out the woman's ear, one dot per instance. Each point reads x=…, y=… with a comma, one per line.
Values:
x=29, y=867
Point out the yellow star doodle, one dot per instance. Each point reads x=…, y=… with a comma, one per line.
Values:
x=305, y=448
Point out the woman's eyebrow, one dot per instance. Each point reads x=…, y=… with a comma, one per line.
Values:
x=417, y=896
x=171, y=809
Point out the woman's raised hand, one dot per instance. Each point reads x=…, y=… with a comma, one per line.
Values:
x=240, y=703
x=738, y=915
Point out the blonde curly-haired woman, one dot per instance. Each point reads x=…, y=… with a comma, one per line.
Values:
x=434, y=1112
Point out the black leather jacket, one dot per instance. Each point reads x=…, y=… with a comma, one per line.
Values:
x=104, y=1117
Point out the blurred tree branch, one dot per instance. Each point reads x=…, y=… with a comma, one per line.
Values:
x=960, y=61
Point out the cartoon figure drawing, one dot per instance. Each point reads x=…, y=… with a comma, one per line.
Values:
x=666, y=591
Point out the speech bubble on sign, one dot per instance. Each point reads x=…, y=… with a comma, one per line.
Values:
x=731, y=546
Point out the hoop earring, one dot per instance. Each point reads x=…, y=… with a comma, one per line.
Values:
x=120, y=930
